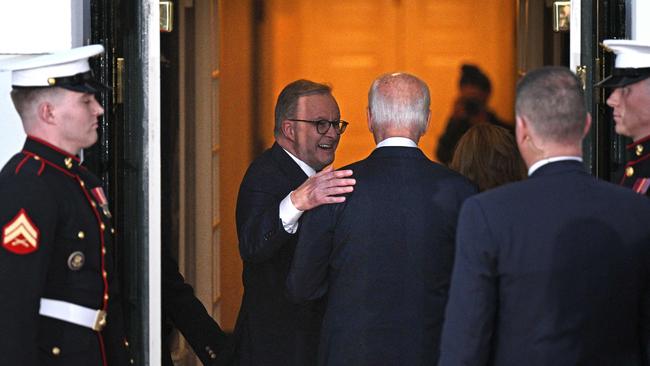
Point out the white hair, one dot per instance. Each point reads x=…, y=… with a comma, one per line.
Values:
x=399, y=100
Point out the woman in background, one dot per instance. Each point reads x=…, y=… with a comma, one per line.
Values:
x=488, y=156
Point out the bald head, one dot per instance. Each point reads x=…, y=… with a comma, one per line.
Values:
x=398, y=105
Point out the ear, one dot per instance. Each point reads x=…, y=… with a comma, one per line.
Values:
x=587, y=125
x=46, y=112
x=289, y=130
x=426, y=127
x=521, y=129
x=369, y=118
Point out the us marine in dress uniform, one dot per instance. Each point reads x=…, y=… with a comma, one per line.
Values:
x=630, y=101
x=58, y=288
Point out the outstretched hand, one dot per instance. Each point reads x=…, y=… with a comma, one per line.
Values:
x=322, y=188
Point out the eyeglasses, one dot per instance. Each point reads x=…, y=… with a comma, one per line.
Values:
x=323, y=125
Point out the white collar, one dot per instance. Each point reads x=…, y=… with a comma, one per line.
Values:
x=540, y=163
x=304, y=166
x=397, y=141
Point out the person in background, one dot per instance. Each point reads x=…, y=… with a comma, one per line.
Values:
x=60, y=299
x=552, y=270
x=382, y=259
x=630, y=103
x=279, y=186
x=470, y=109
x=488, y=156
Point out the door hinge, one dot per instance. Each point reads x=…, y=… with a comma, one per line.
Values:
x=581, y=73
x=118, y=88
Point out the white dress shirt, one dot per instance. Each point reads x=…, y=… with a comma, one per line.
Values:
x=541, y=163
x=289, y=214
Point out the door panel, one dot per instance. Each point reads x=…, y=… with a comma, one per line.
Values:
x=350, y=43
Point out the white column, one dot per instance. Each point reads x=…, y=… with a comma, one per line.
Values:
x=574, y=35
x=639, y=10
x=151, y=99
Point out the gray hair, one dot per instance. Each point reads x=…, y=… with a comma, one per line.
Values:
x=552, y=100
x=287, y=102
x=399, y=100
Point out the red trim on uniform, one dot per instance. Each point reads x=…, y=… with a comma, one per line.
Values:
x=103, y=244
x=43, y=142
x=31, y=154
x=632, y=162
x=40, y=170
x=22, y=162
x=640, y=141
x=102, y=348
x=637, y=142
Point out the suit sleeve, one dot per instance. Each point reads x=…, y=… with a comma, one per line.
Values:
x=259, y=227
x=189, y=315
x=23, y=276
x=472, y=306
x=307, y=279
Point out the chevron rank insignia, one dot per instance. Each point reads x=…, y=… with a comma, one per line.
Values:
x=20, y=235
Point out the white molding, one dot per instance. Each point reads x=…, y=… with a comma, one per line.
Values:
x=640, y=27
x=575, y=45
x=151, y=48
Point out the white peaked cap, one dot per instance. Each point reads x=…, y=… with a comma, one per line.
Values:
x=67, y=69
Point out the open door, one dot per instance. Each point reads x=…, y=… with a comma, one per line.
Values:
x=126, y=158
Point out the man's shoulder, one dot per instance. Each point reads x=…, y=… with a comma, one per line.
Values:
x=266, y=164
x=21, y=168
x=27, y=174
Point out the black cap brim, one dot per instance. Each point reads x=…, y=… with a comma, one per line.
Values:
x=83, y=83
x=623, y=77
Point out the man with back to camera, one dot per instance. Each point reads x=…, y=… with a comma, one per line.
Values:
x=383, y=257
x=552, y=270
x=630, y=101
x=282, y=183
x=58, y=282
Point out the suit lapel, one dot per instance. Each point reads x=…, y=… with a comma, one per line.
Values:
x=288, y=167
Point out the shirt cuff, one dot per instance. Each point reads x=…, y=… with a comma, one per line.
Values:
x=289, y=215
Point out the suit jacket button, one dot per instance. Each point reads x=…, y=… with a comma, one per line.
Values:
x=638, y=150
x=81, y=235
x=56, y=351
x=629, y=171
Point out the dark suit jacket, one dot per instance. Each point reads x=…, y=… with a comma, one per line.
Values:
x=550, y=271
x=189, y=316
x=384, y=258
x=271, y=329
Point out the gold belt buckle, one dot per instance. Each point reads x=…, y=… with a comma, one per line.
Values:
x=100, y=321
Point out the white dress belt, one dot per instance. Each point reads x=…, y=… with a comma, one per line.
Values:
x=73, y=313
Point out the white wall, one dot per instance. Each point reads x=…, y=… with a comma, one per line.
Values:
x=11, y=129
x=32, y=27
x=638, y=11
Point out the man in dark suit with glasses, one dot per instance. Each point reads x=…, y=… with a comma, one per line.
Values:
x=282, y=183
